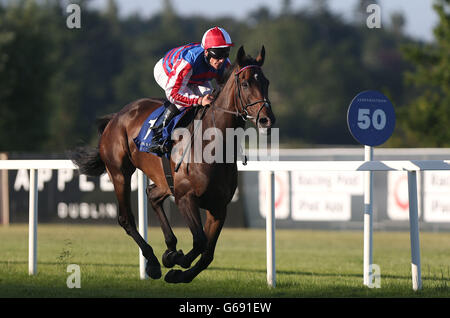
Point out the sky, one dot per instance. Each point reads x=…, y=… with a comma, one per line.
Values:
x=419, y=14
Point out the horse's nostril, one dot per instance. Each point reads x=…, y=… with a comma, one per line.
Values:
x=264, y=121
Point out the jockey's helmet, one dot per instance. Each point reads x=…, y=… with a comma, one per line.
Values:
x=217, y=42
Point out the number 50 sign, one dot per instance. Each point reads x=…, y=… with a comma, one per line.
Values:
x=371, y=118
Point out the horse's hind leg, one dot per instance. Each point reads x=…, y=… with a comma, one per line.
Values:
x=122, y=187
x=213, y=226
x=156, y=197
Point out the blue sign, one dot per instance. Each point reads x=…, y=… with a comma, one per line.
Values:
x=371, y=118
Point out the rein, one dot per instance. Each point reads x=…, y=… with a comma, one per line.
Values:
x=204, y=110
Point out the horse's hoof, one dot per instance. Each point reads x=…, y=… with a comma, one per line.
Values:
x=154, y=271
x=174, y=276
x=168, y=259
x=184, y=263
x=172, y=258
x=181, y=259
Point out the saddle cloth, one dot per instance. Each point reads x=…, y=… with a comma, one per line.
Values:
x=145, y=137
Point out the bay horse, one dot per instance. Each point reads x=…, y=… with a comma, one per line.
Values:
x=243, y=95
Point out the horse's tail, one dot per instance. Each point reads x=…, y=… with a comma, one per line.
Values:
x=103, y=121
x=88, y=159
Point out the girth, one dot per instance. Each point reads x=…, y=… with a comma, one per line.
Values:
x=168, y=172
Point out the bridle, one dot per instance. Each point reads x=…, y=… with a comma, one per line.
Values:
x=244, y=114
x=241, y=110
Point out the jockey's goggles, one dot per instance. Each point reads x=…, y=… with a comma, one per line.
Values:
x=219, y=53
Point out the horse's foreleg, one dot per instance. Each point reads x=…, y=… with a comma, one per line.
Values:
x=213, y=227
x=122, y=189
x=156, y=197
x=189, y=208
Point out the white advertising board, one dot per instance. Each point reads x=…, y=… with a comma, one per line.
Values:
x=436, y=196
x=324, y=196
x=397, y=195
x=281, y=194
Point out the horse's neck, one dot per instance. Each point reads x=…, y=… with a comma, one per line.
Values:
x=223, y=112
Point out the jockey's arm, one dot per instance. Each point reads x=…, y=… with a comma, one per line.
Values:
x=177, y=91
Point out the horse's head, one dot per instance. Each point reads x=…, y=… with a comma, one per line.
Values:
x=252, y=90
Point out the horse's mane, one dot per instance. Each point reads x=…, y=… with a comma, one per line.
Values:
x=248, y=60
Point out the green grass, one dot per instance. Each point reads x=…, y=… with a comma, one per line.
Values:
x=309, y=264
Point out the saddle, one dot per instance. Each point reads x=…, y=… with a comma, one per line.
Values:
x=144, y=140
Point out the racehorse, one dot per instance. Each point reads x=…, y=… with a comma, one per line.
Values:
x=242, y=95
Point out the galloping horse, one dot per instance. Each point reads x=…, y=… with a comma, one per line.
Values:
x=243, y=95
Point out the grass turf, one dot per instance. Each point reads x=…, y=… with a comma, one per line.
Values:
x=308, y=263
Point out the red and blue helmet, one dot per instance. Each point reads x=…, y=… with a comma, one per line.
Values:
x=218, y=42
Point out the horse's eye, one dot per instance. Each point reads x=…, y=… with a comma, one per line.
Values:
x=245, y=84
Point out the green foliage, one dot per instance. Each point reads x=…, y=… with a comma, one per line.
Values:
x=424, y=122
x=54, y=81
x=27, y=61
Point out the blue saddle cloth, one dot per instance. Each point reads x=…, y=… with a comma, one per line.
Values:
x=144, y=140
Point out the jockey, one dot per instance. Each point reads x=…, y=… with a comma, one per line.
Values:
x=185, y=73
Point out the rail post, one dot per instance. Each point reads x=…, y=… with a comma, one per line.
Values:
x=32, y=222
x=368, y=218
x=143, y=221
x=414, y=231
x=270, y=229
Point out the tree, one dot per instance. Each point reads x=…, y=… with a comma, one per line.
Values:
x=425, y=121
x=320, y=6
x=286, y=7
x=361, y=13
x=398, y=21
x=90, y=59
x=316, y=63
x=27, y=62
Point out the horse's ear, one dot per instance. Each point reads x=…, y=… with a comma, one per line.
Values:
x=261, y=56
x=240, y=58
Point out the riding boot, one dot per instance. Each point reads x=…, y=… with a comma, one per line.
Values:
x=158, y=145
